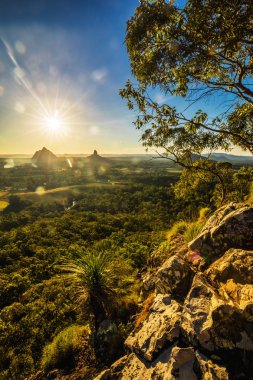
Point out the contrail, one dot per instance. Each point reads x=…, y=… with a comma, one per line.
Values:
x=21, y=76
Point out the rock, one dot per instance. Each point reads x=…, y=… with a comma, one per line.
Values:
x=180, y=365
x=207, y=370
x=174, y=363
x=236, y=264
x=174, y=277
x=161, y=327
x=114, y=372
x=105, y=375
x=233, y=276
x=230, y=227
x=108, y=341
x=197, y=310
x=148, y=284
x=208, y=320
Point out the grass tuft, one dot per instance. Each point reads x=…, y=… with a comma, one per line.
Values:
x=178, y=228
x=193, y=230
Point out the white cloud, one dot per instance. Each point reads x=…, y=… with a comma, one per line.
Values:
x=99, y=75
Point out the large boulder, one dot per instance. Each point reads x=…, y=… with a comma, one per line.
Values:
x=209, y=320
x=233, y=277
x=230, y=227
x=174, y=277
x=160, y=328
x=236, y=264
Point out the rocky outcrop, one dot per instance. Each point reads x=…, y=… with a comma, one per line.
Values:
x=230, y=227
x=200, y=325
x=96, y=160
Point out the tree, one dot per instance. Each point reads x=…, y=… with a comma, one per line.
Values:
x=202, y=49
x=99, y=279
x=200, y=189
x=16, y=204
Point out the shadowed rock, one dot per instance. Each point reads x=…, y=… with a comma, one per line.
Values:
x=209, y=319
x=174, y=277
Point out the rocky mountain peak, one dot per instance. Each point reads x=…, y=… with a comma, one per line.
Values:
x=44, y=157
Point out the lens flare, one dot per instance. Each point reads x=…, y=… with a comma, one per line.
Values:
x=53, y=123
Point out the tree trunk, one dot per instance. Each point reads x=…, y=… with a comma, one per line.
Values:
x=98, y=311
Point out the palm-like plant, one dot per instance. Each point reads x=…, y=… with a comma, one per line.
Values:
x=99, y=279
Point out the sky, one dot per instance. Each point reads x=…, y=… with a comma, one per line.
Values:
x=62, y=63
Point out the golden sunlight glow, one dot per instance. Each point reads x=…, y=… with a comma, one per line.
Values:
x=53, y=123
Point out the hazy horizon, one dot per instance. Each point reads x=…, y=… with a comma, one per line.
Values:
x=116, y=154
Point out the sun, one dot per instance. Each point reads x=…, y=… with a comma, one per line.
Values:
x=53, y=123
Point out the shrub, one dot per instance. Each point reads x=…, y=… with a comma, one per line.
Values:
x=204, y=213
x=163, y=252
x=101, y=280
x=61, y=352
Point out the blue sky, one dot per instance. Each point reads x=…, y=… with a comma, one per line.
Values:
x=62, y=63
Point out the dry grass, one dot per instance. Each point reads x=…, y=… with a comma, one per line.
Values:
x=145, y=309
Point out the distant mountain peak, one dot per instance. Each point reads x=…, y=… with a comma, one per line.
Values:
x=96, y=159
x=44, y=157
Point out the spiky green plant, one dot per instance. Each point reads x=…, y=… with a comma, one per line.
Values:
x=99, y=279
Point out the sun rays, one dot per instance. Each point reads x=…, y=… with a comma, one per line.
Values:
x=50, y=112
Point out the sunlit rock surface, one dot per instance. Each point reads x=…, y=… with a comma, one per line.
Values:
x=161, y=326
x=229, y=227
